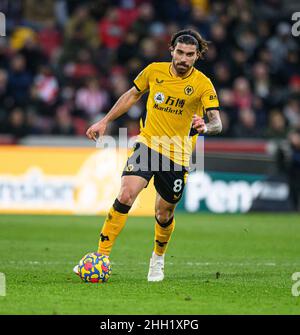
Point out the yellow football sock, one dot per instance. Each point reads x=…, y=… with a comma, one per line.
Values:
x=113, y=225
x=163, y=234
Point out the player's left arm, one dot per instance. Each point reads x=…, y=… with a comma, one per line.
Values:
x=212, y=127
x=214, y=124
x=210, y=104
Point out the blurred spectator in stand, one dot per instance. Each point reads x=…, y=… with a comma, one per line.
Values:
x=180, y=11
x=248, y=42
x=6, y=101
x=61, y=12
x=242, y=93
x=19, y=80
x=128, y=48
x=50, y=39
x=3, y=99
x=83, y=25
x=80, y=33
x=92, y=99
x=261, y=80
x=84, y=66
x=276, y=128
x=4, y=53
x=280, y=44
x=111, y=30
x=226, y=131
x=134, y=67
x=246, y=126
x=36, y=14
x=46, y=86
x=63, y=124
x=292, y=112
x=158, y=34
x=238, y=63
x=119, y=85
x=269, y=9
x=20, y=35
x=144, y=20
x=252, y=57
x=16, y=125
x=263, y=32
x=199, y=21
x=33, y=55
x=244, y=20
x=227, y=102
x=294, y=85
x=290, y=69
x=148, y=51
x=218, y=36
x=208, y=63
x=67, y=99
x=222, y=77
x=35, y=123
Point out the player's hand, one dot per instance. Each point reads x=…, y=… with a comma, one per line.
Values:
x=96, y=130
x=199, y=124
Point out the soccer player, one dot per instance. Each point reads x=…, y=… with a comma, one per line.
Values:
x=179, y=97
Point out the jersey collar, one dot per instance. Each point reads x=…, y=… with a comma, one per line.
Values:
x=173, y=75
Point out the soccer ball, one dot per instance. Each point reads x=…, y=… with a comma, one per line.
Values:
x=94, y=268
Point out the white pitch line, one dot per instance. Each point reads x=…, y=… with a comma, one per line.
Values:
x=200, y=264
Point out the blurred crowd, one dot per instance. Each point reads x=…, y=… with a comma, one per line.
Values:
x=63, y=64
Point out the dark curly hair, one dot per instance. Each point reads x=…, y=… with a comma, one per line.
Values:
x=189, y=36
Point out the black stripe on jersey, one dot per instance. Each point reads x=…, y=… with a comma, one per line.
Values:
x=143, y=117
x=136, y=87
x=189, y=74
x=211, y=108
x=193, y=132
x=181, y=77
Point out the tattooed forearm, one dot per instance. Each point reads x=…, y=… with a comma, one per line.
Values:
x=214, y=124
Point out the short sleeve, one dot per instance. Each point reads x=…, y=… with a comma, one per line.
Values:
x=209, y=96
x=141, y=82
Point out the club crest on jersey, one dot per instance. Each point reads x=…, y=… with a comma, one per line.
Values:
x=159, y=97
x=129, y=167
x=188, y=90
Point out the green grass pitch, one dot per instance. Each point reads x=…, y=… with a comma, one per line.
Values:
x=215, y=264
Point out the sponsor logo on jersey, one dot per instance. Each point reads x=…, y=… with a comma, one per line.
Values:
x=171, y=101
x=159, y=81
x=168, y=109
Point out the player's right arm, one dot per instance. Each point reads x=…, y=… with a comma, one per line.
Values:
x=123, y=104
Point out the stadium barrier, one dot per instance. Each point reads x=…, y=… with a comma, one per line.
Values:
x=79, y=180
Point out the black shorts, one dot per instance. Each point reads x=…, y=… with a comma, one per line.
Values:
x=169, y=177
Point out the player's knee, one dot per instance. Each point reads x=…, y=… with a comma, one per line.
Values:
x=126, y=197
x=163, y=216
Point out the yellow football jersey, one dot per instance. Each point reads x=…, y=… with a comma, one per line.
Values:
x=171, y=104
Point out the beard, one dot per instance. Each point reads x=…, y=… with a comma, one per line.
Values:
x=181, y=68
